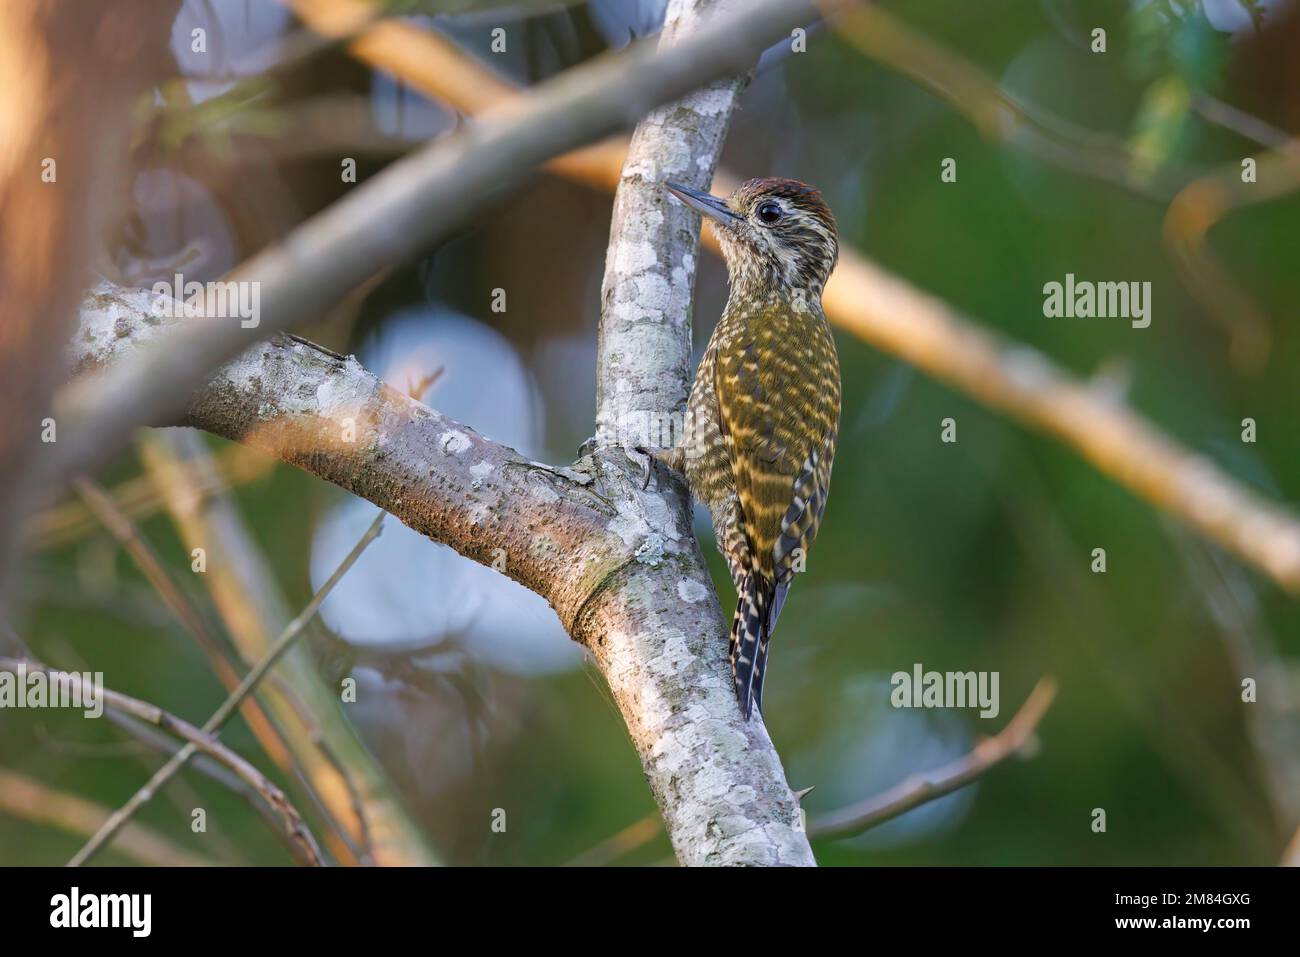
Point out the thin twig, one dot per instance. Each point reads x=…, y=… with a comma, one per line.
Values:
x=921, y=789
x=29, y=799
x=634, y=836
x=876, y=810
x=1273, y=720
x=1199, y=207
x=889, y=313
x=130, y=538
x=401, y=212
x=149, y=736
x=197, y=740
x=306, y=708
x=139, y=497
x=363, y=848
x=182, y=796
x=281, y=645
x=1246, y=125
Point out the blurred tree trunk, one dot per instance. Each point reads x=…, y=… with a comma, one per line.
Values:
x=69, y=71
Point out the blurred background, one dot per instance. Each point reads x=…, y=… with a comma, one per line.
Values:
x=967, y=556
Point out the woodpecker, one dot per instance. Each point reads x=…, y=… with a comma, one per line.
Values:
x=764, y=412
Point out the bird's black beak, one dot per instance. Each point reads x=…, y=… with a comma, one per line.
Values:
x=705, y=204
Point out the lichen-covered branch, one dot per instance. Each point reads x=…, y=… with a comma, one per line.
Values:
x=406, y=209
x=644, y=357
x=620, y=566
x=329, y=416
x=656, y=631
x=716, y=776
x=896, y=317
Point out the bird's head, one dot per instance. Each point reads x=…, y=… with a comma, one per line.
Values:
x=777, y=235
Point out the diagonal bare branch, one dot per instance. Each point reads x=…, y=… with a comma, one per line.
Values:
x=198, y=741
x=146, y=559
x=406, y=209
x=891, y=314
x=305, y=844
x=254, y=610
x=921, y=789
x=334, y=419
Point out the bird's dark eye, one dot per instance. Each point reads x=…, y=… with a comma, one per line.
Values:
x=769, y=213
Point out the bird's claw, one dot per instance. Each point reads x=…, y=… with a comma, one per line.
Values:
x=647, y=467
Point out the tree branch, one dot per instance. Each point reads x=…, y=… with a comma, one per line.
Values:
x=924, y=788
x=664, y=648
x=298, y=838
x=134, y=543
x=307, y=710
x=332, y=418
x=907, y=795
x=214, y=724
x=139, y=497
x=620, y=566
x=27, y=798
x=407, y=209
x=892, y=315
x=71, y=74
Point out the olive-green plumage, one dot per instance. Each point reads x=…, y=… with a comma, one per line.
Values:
x=764, y=410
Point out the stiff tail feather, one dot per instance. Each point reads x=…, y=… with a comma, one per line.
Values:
x=751, y=629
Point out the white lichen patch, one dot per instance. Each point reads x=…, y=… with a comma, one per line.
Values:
x=713, y=100
x=716, y=777
x=659, y=514
x=691, y=591
x=113, y=318
x=631, y=258
x=675, y=657
x=335, y=392
x=630, y=526
x=676, y=146
x=245, y=371
x=480, y=472
x=683, y=274
x=454, y=442
x=653, y=292
x=651, y=551
x=651, y=343
x=741, y=794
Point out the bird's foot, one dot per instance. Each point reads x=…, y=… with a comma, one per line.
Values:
x=671, y=459
x=644, y=456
